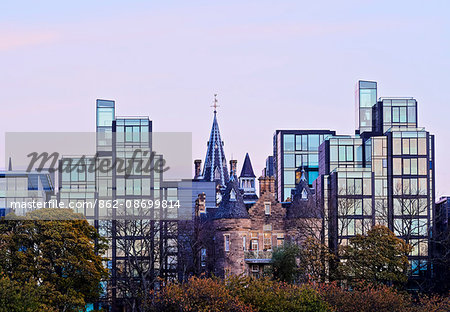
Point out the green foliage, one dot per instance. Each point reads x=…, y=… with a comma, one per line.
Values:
x=18, y=297
x=284, y=262
x=378, y=257
x=59, y=253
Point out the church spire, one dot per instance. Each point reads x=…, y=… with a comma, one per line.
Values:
x=215, y=168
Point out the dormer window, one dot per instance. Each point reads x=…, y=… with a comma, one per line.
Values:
x=304, y=194
x=232, y=195
x=217, y=174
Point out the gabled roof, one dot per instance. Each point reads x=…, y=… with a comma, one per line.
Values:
x=232, y=205
x=302, y=207
x=247, y=169
x=215, y=168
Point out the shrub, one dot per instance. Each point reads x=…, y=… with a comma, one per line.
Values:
x=266, y=295
x=198, y=294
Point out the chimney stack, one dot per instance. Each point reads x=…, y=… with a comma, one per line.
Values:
x=198, y=166
x=266, y=184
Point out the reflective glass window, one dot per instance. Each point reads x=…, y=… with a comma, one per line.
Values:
x=411, y=114
x=288, y=142
x=289, y=161
x=298, y=142
x=313, y=142
x=289, y=177
x=402, y=114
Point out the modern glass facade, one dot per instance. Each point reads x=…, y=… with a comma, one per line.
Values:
x=366, y=98
x=294, y=150
x=383, y=176
x=18, y=189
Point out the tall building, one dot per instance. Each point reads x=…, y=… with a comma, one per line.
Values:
x=292, y=151
x=135, y=236
x=383, y=175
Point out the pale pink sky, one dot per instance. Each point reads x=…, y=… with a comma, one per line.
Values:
x=275, y=65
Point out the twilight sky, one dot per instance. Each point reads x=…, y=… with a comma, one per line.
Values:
x=274, y=64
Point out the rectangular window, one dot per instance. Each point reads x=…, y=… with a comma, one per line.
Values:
x=395, y=114
x=313, y=160
x=298, y=142
x=226, y=238
x=411, y=114
x=406, y=166
x=267, y=241
x=402, y=114
x=397, y=166
x=406, y=146
x=333, y=153
x=289, y=161
x=298, y=161
x=304, y=142
x=313, y=142
x=267, y=208
x=280, y=239
x=342, y=152
x=288, y=142
x=244, y=242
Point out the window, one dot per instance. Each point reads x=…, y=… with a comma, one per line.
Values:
x=255, y=268
x=244, y=243
x=232, y=195
x=226, y=238
x=313, y=142
x=289, y=177
x=267, y=208
x=280, y=239
x=267, y=241
x=313, y=160
x=289, y=161
x=288, y=142
x=298, y=161
x=304, y=194
x=254, y=241
x=203, y=257
x=298, y=142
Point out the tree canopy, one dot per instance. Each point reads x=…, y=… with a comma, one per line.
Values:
x=378, y=257
x=61, y=255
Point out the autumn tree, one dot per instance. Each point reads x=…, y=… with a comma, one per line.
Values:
x=58, y=250
x=378, y=257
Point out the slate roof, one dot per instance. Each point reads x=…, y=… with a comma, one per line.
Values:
x=247, y=169
x=215, y=157
x=232, y=208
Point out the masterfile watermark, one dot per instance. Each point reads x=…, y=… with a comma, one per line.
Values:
x=103, y=176
x=145, y=163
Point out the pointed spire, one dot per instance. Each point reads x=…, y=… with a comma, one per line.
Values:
x=215, y=168
x=247, y=169
x=10, y=164
x=303, y=177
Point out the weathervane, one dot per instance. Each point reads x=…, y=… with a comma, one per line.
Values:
x=215, y=103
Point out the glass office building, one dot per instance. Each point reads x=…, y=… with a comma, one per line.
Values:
x=292, y=151
x=19, y=189
x=383, y=175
